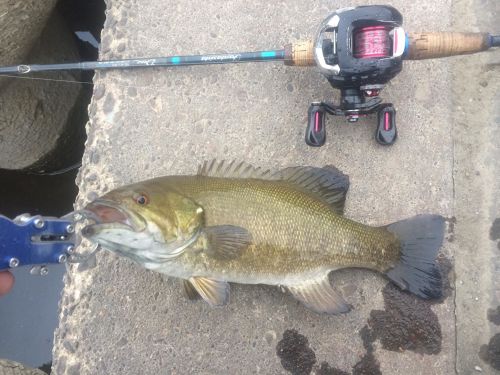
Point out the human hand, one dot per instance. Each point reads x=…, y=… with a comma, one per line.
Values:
x=6, y=282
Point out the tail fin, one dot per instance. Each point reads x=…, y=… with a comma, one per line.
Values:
x=421, y=237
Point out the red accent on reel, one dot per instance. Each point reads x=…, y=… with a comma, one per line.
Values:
x=316, y=122
x=372, y=42
x=386, y=122
x=371, y=93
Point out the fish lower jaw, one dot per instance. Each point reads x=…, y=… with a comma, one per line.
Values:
x=125, y=245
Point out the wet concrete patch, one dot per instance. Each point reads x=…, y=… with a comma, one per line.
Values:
x=325, y=369
x=446, y=266
x=407, y=323
x=495, y=231
x=491, y=353
x=367, y=366
x=452, y=221
x=299, y=359
x=494, y=315
x=295, y=354
x=368, y=363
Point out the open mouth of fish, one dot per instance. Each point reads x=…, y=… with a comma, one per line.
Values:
x=107, y=214
x=97, y=216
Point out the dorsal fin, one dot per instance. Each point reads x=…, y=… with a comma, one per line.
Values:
x=233, y=169
x=328, y=183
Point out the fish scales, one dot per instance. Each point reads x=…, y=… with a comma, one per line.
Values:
x=294, y=233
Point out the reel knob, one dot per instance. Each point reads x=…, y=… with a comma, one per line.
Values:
x=315, y=131
x=386, y=133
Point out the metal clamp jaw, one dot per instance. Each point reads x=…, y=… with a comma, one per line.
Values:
x=35, y=240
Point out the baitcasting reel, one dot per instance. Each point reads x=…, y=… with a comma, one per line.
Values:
x=358, y=50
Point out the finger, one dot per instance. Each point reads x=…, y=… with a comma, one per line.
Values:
x=6, y=282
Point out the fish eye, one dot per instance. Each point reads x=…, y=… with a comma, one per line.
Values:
x=141, y=199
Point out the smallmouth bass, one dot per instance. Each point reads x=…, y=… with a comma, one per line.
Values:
x=235, y=223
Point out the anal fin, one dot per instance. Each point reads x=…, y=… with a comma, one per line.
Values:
x=215, y=292
x=319, y=296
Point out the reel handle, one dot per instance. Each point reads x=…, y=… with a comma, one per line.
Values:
x=386, y=133
x=316, y=131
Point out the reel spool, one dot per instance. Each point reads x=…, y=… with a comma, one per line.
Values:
x=372, y=42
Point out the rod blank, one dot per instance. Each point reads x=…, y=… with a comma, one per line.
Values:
x=170, y=61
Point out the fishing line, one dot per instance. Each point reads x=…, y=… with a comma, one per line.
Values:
x=47, y=79
x=149, y=88
x=57, y=172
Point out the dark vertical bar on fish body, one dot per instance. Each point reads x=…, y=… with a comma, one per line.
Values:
x=223, y=58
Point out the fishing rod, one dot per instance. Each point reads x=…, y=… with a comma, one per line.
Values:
x=357, y=49
x=170, y=61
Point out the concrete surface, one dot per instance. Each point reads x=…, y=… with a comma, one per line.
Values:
x=36, y=114
x=476, y=91
x=119, y=318
x=22, y=23
x=14, y=368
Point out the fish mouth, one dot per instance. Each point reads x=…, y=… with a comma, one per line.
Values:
x=109, y=214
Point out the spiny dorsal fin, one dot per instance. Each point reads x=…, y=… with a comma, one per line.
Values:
x=226, y=241
x=216, y=293
x=232, y=169
x=328, y=182
x=319, y=296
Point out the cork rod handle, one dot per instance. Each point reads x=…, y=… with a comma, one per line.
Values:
x=442, y=44
x=300, y=54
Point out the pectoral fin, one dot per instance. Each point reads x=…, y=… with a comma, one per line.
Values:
x=216, y=293
x=319, y=296
x=226, y=241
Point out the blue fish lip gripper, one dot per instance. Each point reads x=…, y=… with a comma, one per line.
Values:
x=35, y=241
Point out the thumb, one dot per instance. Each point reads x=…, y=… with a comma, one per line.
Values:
x=6, y=282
